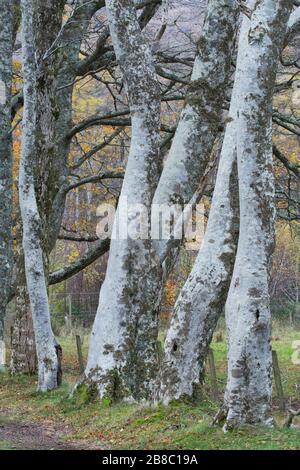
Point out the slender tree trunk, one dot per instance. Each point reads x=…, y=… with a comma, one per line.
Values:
x=249, y=387
x=47, y=348
x=54, y=120
x=202, y=299
x=122, y=361
x=192, y=325
x=203, y=115
x=6, y=252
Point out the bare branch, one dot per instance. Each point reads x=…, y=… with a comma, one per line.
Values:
x=293, y=168
x=81, y=263
x=93, y=179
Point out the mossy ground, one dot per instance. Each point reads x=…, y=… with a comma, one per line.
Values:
x=179, y=426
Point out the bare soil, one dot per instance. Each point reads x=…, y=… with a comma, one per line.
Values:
x=37, y=436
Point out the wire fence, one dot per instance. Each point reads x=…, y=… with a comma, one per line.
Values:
x=75, y=309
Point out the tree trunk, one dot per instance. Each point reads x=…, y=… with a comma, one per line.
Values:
x=192, y=325
x=203, y=115
x=7, y=14
x=54, y=120
x=47, y=348
x=202, y=299
x=122, y=361
x=249, y=386
x=23, y=351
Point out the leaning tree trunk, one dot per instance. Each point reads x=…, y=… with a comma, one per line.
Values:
x=6, y=251
x=47, y=348
x=203, y=115
x=202, y=299
x=203, y=296
x=249, y=386
x=122, y=360
x=57, y=72
x=192, y=325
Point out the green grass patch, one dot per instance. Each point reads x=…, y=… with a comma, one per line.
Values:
x=121, y=426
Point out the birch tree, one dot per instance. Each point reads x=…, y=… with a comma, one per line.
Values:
x=122, y=360
x=47, y=347
x=6, y=253
x=248, y=396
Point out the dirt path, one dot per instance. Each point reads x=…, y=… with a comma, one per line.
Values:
x=37, y=436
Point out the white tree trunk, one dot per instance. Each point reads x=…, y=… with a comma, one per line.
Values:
x=192, y=325
x=202, y=299
x=6, y=253
x=54, y=121
x=203, y=115
x=249, y=387
x=122, y=360
x=47, y=348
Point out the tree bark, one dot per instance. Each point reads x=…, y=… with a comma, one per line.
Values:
x=58, y=69
x=23, y=351
x=203, y=114
x=249, y=386
x=7, y=17
x=122, y=360
x=202, y=299
x=46, y=345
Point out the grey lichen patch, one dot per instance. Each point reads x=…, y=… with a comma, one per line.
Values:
x=254, y=292
x=237, y=373
x=108, y=348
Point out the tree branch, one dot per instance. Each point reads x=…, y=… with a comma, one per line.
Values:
x=77, y=238
x=293, y=25
x=293, y=168
x=80, y=263
x=92, y=179
x=94, y=150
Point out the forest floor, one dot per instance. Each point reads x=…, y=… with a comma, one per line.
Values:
x=32, y=420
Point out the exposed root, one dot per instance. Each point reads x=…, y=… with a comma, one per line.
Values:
x=220, y=416
x=290, y=417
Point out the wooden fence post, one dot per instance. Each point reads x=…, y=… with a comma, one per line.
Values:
x=278, y=382
x=68, y=317
x=213, y=375
x=79, y=354
x=160, y=351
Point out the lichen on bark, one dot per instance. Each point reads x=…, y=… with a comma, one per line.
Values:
x=48, y=352
x=249, y=386
x=122, y=359
x=7, y=21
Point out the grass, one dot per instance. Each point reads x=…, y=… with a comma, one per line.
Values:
x=179, y=426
